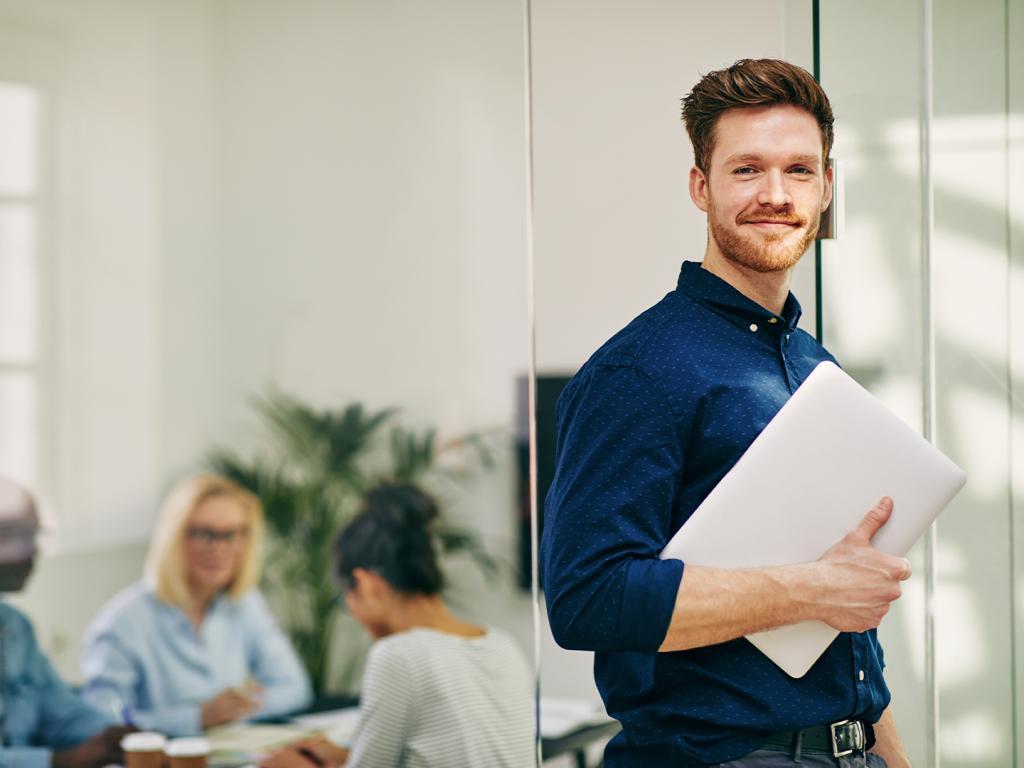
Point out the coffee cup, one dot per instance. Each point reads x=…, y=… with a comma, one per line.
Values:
x=187, y=753
x=143, y=749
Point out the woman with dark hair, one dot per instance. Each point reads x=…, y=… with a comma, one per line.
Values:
x=437, y=690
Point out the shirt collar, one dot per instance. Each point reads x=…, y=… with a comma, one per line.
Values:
x=704, y=287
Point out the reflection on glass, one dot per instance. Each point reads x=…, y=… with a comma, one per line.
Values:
x=874, y=303
x=18, y=282
x=871, y=277
x=19, y=108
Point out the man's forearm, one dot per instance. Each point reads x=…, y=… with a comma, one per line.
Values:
x=888, y=744
x=850, y=588
x=715, y=605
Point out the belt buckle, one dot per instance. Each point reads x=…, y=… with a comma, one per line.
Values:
x=843, y=730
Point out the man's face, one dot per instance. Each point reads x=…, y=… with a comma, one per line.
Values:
x=765, y=189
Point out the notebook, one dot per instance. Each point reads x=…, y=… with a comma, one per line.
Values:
x=827, y=457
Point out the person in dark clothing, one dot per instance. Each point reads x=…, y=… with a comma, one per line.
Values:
x=652, y=422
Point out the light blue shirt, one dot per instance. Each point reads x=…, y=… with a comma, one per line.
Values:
x=145, y=656
x=39, y=714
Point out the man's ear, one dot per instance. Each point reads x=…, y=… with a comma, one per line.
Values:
x=826, y=197
x=699, y=188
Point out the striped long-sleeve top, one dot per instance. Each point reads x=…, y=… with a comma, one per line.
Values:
x=436, y=700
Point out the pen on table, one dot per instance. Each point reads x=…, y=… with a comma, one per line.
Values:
x=122, y=713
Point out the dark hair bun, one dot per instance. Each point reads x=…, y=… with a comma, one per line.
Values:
x=391, y=536
x=403, y=502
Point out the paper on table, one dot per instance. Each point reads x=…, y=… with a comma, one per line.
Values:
x=337, y=725
x=253, y=739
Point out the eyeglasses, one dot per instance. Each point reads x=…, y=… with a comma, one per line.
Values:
x=210, y=536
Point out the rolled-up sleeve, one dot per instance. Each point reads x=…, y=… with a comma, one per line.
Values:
x=608, y=513
x=64, y=719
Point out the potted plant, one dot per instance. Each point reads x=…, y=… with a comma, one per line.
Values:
x=316, y=467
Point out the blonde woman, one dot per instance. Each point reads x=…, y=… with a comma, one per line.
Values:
x=194, y=644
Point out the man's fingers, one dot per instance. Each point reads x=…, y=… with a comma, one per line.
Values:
x=907, y=570
x=875, y=519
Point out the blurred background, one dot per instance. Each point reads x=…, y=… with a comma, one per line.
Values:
x=204, y=200
x=207, y=201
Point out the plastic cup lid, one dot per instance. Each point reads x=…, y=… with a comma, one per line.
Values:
x=144, y=741
x=187, y=748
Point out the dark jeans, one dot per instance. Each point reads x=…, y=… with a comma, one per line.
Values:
x=770, y=758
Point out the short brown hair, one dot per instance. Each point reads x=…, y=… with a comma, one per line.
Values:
x=752, y=83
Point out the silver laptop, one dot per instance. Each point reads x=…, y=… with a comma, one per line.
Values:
x=827, y=457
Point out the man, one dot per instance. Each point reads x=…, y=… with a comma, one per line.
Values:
x=657, y=417
x=42, y=723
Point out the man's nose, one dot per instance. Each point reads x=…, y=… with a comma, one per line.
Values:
x=773, y=192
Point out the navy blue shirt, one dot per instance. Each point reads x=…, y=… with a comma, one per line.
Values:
x=646, y=429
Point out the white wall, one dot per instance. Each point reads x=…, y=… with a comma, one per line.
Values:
x=374, y=168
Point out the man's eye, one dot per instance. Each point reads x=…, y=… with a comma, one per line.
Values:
x=803, y=170
x=745, y=170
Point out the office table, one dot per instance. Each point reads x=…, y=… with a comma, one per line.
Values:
x=572, y=741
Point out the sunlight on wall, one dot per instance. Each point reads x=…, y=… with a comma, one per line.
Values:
x=19, y=115
x=960, y=623
x=870, y=327
x=974, y=275
x=979, y=421
x=972, y=737
x=960, y=144
x=874, y=314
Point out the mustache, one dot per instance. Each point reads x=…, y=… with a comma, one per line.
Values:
x=775, y=218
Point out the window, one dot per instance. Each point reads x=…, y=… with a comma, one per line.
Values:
x=20, y=348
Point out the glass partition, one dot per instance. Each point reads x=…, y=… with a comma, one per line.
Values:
x=239, y=201
x=919, y=302
x=873, y=307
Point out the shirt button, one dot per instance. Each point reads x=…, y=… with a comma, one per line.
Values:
x=753, y=327
x=773, y=320
x=861, y=675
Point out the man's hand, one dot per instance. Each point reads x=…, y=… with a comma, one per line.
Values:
x=309, y=753
x=850, y=587
x=888, y=744
x=227, y=706
x=857, y=583
x=102, y=749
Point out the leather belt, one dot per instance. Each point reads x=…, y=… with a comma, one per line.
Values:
x=846, y=737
